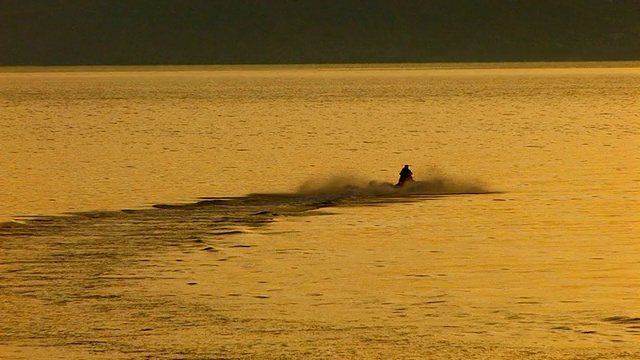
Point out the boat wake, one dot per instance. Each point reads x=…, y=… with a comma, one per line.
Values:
x=436, y=185
x=334, y=191
x=220, y=216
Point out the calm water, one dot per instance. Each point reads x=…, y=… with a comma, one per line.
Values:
x=202, y=213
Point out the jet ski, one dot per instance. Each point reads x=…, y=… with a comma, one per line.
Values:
x=404, y=180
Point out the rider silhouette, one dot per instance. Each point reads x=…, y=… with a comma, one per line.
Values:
x=405, y=175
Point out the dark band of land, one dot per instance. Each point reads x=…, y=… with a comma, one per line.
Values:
x=185, y=32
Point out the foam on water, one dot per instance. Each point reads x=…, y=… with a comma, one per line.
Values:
x=354, y=187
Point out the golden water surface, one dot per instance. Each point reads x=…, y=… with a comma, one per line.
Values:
x=244, y=213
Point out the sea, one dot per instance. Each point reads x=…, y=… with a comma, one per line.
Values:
x=250, y=212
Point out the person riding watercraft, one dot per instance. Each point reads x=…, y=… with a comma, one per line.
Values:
x=405, y=175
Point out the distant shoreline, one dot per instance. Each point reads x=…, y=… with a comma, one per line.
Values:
x=354, y=66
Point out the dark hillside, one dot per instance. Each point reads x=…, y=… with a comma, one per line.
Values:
x=48, y=32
